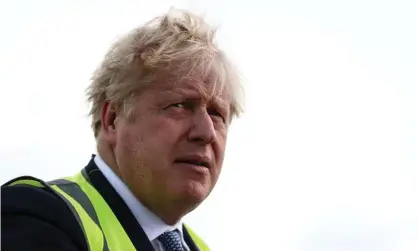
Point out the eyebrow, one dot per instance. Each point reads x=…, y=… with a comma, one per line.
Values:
x=196, y=93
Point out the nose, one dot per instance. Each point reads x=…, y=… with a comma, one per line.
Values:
x=202, y=130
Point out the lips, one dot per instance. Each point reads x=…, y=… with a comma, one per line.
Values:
x=195, y=160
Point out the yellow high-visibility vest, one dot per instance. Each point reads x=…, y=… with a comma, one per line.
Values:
x=101, y=227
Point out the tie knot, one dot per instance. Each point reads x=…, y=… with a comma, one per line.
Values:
x=171, y=241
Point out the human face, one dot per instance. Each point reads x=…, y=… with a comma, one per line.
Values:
x=172, y=150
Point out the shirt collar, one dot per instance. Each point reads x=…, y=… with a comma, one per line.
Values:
x=152, y=225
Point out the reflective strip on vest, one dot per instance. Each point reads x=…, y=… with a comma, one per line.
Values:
x=197, y=240
x=75, y=196
x=100, y=226
x=91, y=230
x=115, y=235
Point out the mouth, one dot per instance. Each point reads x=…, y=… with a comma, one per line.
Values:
x=194, y=160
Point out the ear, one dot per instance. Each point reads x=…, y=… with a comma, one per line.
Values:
x=108, y=116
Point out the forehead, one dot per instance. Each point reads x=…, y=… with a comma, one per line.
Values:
x=207, y=86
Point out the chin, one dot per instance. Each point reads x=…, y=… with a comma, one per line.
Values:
x=194, y=192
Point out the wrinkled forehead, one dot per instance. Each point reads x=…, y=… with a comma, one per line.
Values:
x=205, y=79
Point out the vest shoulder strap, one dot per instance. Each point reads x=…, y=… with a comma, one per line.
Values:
x=91, y=230
x=26, y=180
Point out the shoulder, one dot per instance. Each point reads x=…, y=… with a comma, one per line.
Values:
x=28, y=198
x=40, y=202
x=28, y=209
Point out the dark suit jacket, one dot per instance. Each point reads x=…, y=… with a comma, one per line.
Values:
x=36, y=219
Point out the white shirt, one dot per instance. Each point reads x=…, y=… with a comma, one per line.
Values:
x=152, y=225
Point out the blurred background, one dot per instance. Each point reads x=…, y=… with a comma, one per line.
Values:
x=325, y=156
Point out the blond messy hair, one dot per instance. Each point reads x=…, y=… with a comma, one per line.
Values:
x=134, y=61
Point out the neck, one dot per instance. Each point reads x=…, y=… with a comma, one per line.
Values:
x=169, y=212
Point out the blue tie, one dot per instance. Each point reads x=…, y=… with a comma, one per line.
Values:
x=171, y=241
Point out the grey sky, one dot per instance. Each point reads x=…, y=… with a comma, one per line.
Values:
x=325, y=157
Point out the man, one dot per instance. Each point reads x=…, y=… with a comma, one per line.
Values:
x=162, y=102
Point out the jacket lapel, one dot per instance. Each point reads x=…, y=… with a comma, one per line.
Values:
x=120, y=209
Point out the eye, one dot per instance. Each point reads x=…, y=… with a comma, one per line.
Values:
x=214, y=112
x=179, y=105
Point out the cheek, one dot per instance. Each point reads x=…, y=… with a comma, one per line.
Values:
x=149, y=142
x=127, y=149
x=167, y=132
x=129, y=139
x=135, y=161
x=221, y=143
x=219, y=150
